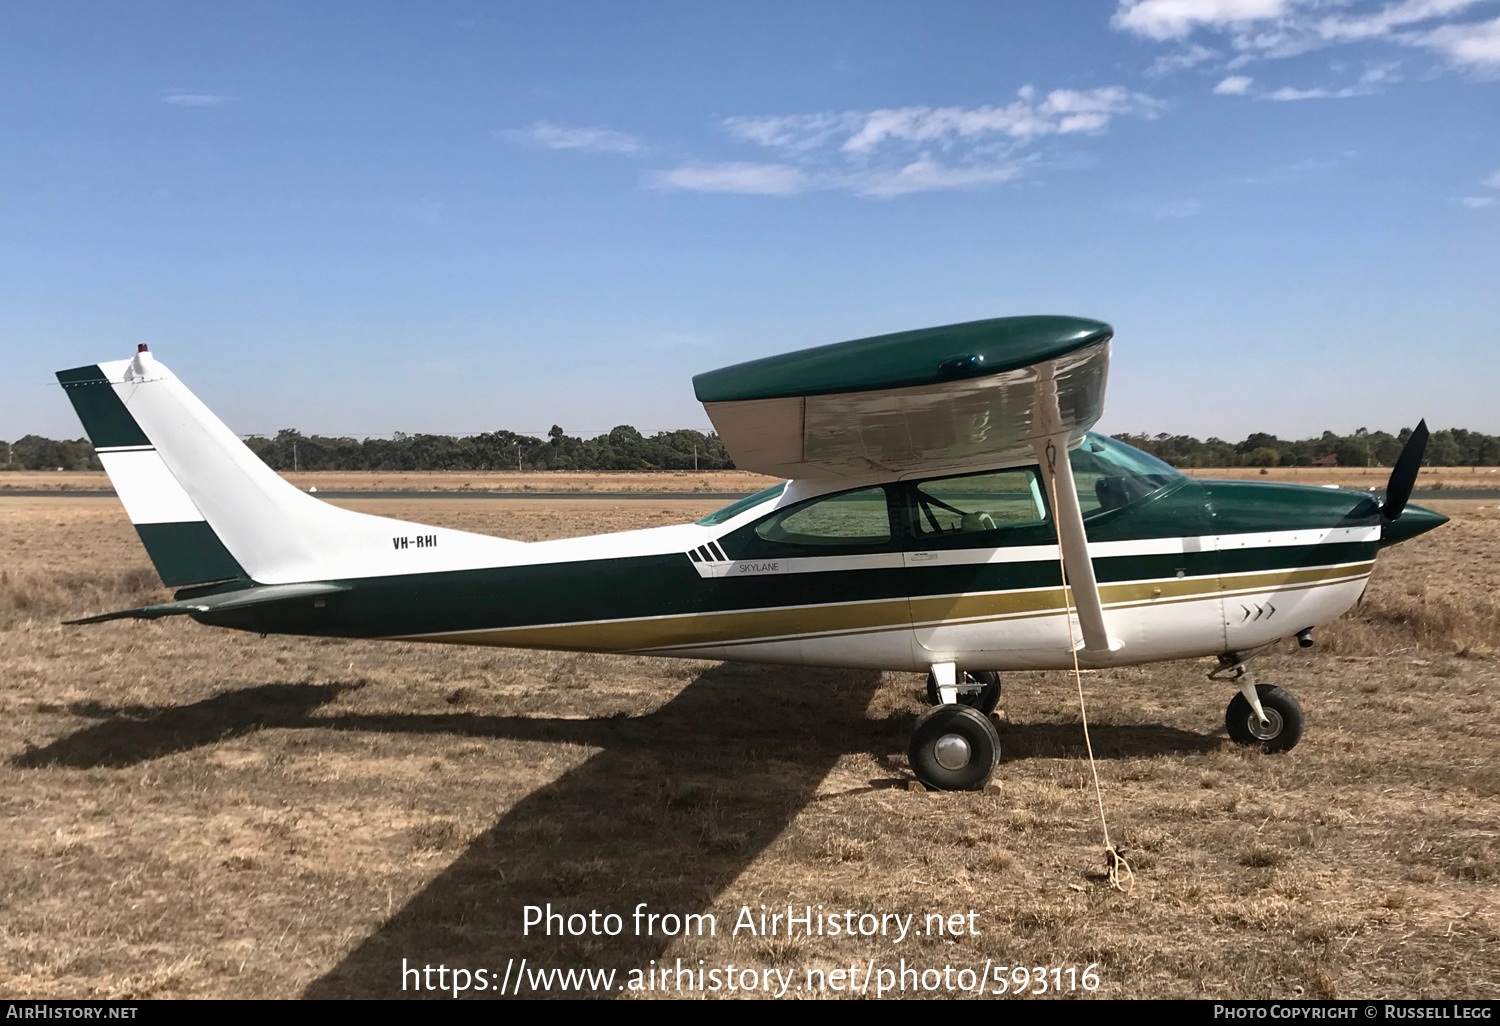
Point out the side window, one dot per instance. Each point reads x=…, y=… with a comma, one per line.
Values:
x=850, y=518
x=978, y=503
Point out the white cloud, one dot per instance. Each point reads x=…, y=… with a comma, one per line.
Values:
x=1190, y=57
x=1234, y=85
x=1395, y=16
x=927, y=175
x=1175, y=19
x=561, y=137
x=1060, y=112
x=1375, y=78
x=899, y=150
x=1475, y=46
x=1287, y=94
x=194, y=99
x=1369, y=83
x=1259, y=29
x=794, y=133
x=760, y=179
x=1380, y=75
x=924, y=174
x=1479, y=202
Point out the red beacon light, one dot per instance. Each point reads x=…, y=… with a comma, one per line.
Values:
x=141, y=348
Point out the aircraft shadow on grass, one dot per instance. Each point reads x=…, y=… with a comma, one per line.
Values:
x=675, y=805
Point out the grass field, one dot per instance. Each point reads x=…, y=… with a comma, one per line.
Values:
x=194, y=812
x=445, y=481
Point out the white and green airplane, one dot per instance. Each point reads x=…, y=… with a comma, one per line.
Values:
x=940, y=483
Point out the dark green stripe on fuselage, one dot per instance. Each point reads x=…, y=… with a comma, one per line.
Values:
x=105, y=419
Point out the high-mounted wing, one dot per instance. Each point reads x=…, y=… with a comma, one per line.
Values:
x=933, y=400
x=1012, y=389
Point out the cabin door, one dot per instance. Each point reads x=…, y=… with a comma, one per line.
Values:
x=981, y=566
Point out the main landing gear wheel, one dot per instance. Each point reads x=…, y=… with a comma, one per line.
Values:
x=978, y=690
x=1283, y=726
x=954, y=748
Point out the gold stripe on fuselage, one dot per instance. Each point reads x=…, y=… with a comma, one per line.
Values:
x=790, y=623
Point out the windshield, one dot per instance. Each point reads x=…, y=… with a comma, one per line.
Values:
x=734, y=509
x=1111, y=474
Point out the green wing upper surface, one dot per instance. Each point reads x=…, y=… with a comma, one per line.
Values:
x=933, y=400
x=927, y=356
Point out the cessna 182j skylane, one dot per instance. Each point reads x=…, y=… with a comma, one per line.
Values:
x=940, y=482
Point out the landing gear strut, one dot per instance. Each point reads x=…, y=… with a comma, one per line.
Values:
x=979, y=689
x=1261, y=715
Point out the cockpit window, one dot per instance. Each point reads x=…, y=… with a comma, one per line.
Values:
x=734, y=509
x=977, y=503
x=1111, y=474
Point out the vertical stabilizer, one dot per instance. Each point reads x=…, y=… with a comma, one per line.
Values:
x=208, y=509
x=184, y=549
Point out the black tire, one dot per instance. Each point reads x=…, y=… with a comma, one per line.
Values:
x=1281, y=709
x=954, y=748
x=986, y=698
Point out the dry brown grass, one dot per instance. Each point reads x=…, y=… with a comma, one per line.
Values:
x=193, y=812
x=32, y=595
x=446, y=481
x=1362, y=478
x=1422, y=618
x=1439, y=593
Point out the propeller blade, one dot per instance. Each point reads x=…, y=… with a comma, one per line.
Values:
x=1404, y=473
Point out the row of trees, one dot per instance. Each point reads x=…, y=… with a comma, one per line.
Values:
x=34, y=452
x=625, y=448
x=1450, y=447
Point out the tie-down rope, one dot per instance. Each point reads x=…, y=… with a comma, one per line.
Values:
x=1121, y=876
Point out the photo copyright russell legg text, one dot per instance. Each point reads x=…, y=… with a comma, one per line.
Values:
x=1354, y=1010
x=697, y=976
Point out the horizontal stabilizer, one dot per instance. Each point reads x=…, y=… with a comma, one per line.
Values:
x=242, y=599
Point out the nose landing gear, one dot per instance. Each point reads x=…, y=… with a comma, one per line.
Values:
x=1261, y=715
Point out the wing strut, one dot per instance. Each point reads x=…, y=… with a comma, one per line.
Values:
x=1051, y=445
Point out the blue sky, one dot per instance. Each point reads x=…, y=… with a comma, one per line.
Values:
x=364, y=218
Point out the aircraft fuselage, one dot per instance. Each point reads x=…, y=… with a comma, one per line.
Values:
x=1195, y=568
